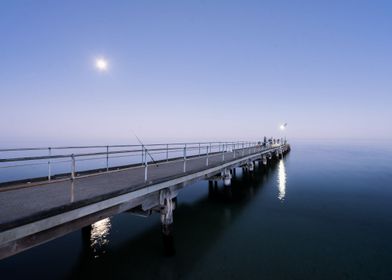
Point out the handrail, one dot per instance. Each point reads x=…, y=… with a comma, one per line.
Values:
x=110, y=146
x=100, y=153
x=147, y=153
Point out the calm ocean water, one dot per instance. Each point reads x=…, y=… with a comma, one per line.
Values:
x=324, y=212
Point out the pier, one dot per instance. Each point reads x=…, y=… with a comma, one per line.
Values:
x=39, y=209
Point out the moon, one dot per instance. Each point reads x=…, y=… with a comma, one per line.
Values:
x=101, y=64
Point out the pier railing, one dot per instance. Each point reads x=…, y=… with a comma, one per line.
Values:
x=49, y=163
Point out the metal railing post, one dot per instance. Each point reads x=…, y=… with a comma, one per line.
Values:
x=145, y=164
x=107, y=158
x=167, y=152
x=49, y=165
x=143, y=154
x=243, y=151
x=73, y=167
x=207, y=157
x=233, y=150
x=184, y=158
x=199, y=149
x=223, y=152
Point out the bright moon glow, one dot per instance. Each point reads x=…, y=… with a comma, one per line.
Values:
x=101, y=64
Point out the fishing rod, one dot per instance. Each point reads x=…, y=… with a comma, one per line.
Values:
x=141, y=143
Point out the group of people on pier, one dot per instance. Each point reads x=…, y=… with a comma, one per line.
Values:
x=272, y=141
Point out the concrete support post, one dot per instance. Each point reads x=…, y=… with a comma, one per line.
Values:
x=264, y=160
x=86, y=241
x=167, y=206
x=210, y=188
x=226, y=176
x=251, y=166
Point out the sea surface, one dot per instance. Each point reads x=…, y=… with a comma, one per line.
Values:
x=323, y=212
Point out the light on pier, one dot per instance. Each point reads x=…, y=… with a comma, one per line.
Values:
x=283, y=126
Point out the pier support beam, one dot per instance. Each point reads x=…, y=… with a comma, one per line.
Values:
x=264, y=160
x=167, y=206
x=250, y=166
x=88, y=252
x=226, y=177
x=210, y=186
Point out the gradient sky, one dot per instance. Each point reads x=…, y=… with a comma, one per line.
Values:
x=194, y=70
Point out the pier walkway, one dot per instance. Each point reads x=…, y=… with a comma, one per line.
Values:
x=33, y=212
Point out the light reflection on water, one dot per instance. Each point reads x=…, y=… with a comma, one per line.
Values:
x=99, y=237
x=281, y=180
